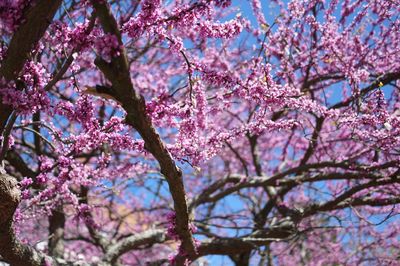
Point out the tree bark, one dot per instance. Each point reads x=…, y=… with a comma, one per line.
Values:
x=56, y=232
x=11, y=250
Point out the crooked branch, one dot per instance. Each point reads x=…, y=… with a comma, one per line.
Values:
x=117, y=72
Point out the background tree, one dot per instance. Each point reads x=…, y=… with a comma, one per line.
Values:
x=269, y=139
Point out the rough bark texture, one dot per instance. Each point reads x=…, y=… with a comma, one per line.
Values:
x=11, y=250
x=9, y=196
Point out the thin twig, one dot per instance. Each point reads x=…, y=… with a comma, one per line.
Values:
x=6, y=135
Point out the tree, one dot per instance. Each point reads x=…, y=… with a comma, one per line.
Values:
x=269, y=139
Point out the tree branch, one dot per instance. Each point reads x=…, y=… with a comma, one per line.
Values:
x=148, y=237
x=11, y=249
x=379, y=82
x=117, y=72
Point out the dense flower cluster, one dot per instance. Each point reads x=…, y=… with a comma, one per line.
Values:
x=11, y=14
x=27, y=94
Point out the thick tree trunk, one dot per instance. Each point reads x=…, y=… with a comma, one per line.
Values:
x=11, y=250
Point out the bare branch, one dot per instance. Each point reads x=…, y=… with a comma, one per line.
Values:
x=149, y=237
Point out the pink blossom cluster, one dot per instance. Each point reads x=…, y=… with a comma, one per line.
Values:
x=11, y=12
x=27, y=94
